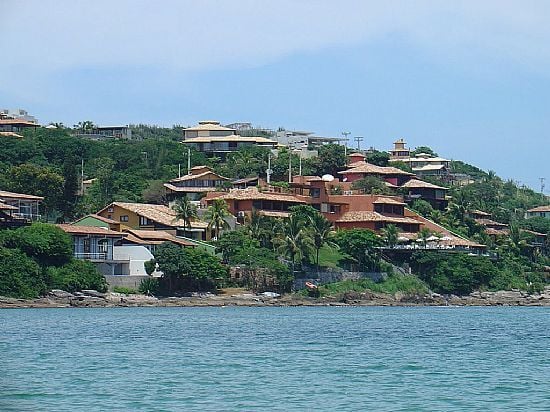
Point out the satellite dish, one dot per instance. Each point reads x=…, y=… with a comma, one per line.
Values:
x=327, y=178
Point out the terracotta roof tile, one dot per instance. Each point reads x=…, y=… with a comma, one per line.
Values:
x=89, y=230
x=416, y=183
x=367, y=168
x=252, y=193
x=12, y=195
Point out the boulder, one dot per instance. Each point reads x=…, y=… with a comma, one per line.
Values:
x=58, y=293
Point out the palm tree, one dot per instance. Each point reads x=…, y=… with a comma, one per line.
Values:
x=216, y=214
x=391, y=234
x=186, y=211
x=294, y=241
x=321, y=231
x=255, y=224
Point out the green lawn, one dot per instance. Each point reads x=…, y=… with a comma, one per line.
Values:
x=328, y=257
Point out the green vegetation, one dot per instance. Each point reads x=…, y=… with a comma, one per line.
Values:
x=459, y=273
x=359, y=246
x=188, y=269
x=149, y=286
x=124, y=290
x=391, y=285
x=38, y=258
x=371, y=184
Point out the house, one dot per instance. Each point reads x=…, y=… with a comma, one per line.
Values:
x=423, y=164
x=97, y=244
x=302, y=140
x=242, y=202
x=399, y=151
x=540, y=211
x=201, y=179
x=18, y=114
x=215, y=140
x=16, y=125
x=152, y=238
x=360, y=169
x=153, y=217
x=433, y=194
x=107, y=132
x=24, y=207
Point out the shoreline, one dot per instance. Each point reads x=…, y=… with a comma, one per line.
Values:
x=94, y=299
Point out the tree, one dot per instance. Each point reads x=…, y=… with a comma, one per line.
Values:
x=294, y=241
x=189, y=268
x=371, y=185
x=322, y=234
x=378, y=158
x=70, y=187
x=216, y=214
x=391, y=235
x=423, y=207
x=154, y=193
x=76, y=275
x=38, y=181
x=47, y=244
x=186, y=211
x=423, y=149
x=331, y=159
x=360, y=245
x=20, y=276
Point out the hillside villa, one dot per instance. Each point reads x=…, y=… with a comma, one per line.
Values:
x=17, y=209
x=540, y=211
x=215, y=140
x=201, y=179
x=145, y=216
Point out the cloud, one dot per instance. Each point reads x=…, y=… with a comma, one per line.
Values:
x=208, y=35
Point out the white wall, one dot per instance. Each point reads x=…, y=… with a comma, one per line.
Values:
x=138, y=256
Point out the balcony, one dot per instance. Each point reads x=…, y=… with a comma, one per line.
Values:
x=102, y=257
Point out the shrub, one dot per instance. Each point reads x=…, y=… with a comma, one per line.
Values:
x=20, y=276
x=75, y=276
x=149, y=286
x=124, y=290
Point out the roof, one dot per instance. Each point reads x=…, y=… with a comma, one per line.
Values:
x=98, y=217
x=252, y=193
x=156, y=237
x=496, y=232
x=158, y=213
x=367, y=168
x=368, y=216
x=89, y=181
x=427, y=168
x=192, y=189
x=489, y=222
x=416, y=183
x=197, y=176
x=245, y=180
x=89, y=230
x=479, y=212
x=388, y=201
x=13, y=195
x=10, y=134
x=229, y=138
x=4, y=206
x=19, y=122
x=540, y=209
x=356, y=154
x=209, y=125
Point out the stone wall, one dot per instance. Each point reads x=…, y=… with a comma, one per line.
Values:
x=132, y=282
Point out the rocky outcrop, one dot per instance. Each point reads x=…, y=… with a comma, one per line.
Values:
x=91, y=298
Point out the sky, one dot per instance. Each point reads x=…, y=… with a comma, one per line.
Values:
x=470, y=79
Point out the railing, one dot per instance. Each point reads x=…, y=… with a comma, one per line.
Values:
x=100, y=256
x=28, y=216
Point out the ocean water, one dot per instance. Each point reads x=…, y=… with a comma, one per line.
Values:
x=281, y=359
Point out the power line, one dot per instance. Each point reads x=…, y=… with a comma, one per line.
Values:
x=358, y=139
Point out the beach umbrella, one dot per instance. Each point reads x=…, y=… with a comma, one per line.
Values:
x=403, y=239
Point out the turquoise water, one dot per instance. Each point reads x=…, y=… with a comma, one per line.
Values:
x=362, y=359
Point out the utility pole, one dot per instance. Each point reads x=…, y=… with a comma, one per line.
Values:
x=289, y=166
x=300, y=167
x=358, y=139
x=268, y=172
x=542, y=185
x=82, y=177
x=179, y=169
x=188, y=161
x=346, y=134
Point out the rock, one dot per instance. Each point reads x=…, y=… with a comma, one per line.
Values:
x=94, y=293
x=58, y=293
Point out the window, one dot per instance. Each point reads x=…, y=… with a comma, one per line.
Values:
x=103, y=246
x=124, y=218
x=143, y=221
